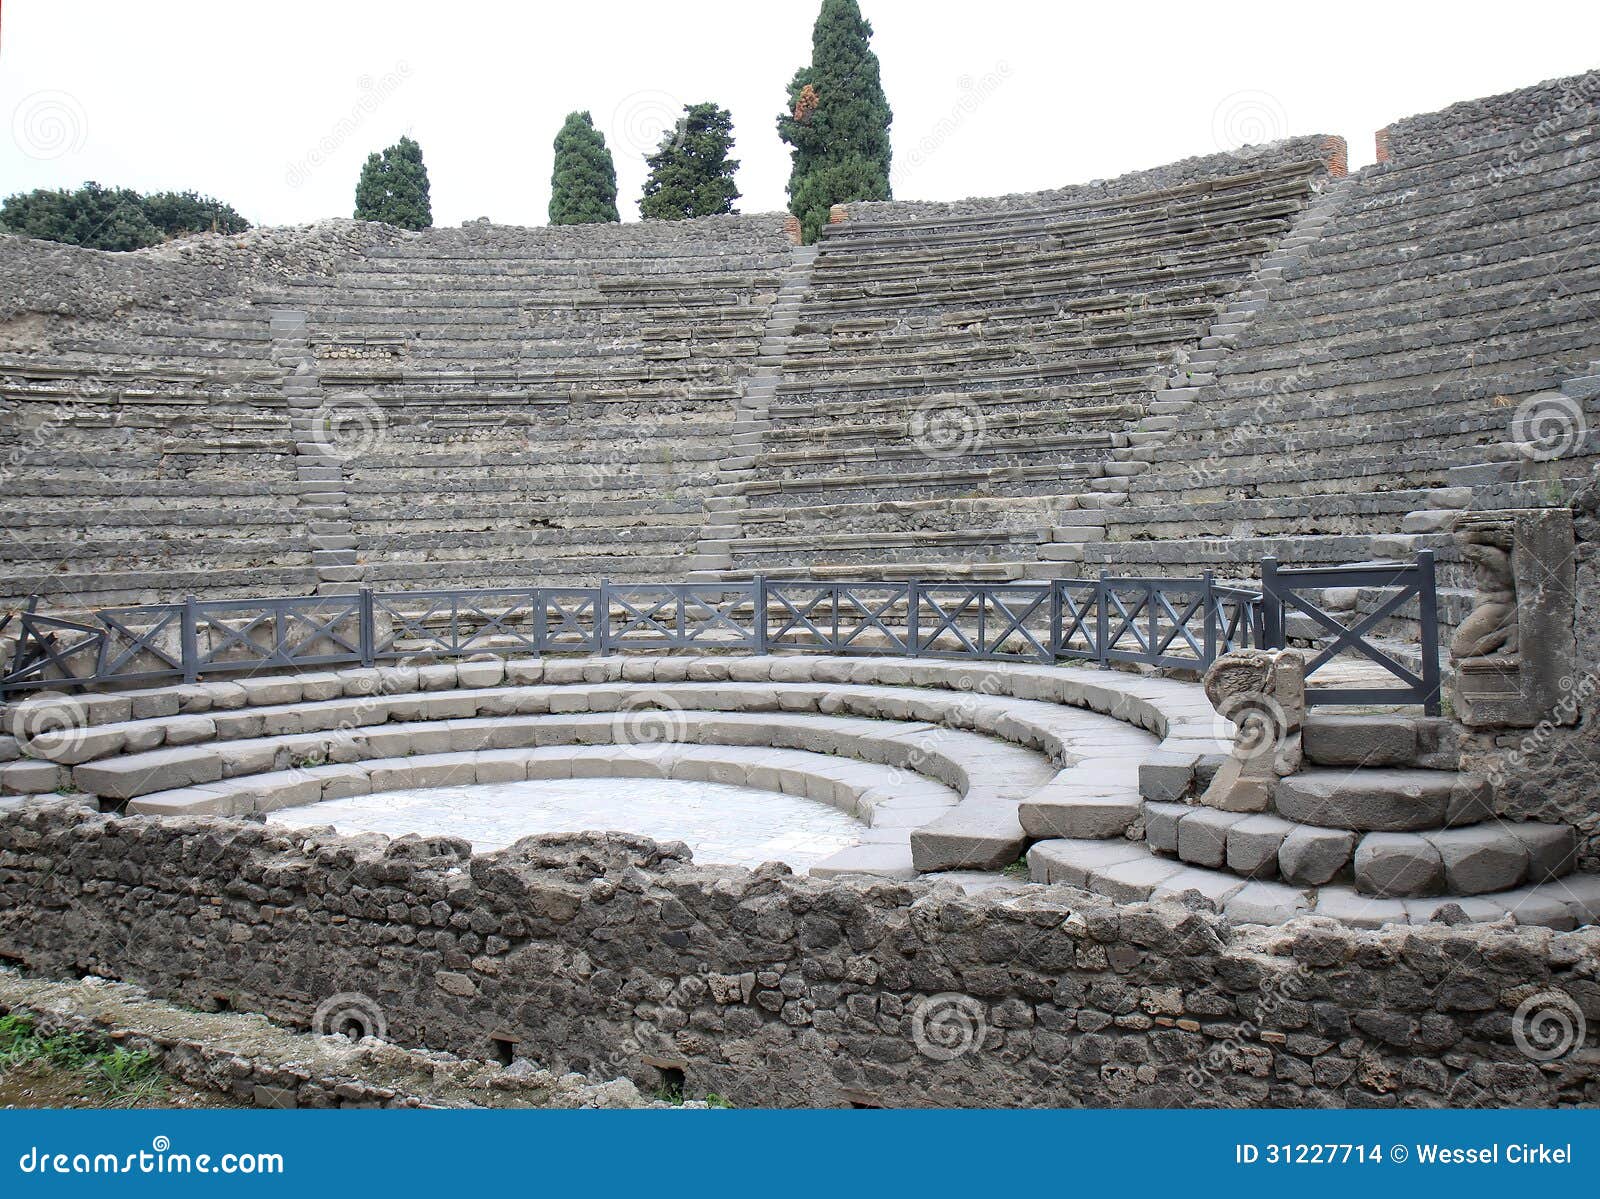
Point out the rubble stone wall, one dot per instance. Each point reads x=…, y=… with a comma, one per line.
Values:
x=608, y=954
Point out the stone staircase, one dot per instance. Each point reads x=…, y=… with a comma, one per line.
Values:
x=752, y=417
x=1087, y=514
x=954, y=381
x=318, y=463
x=1379, y=825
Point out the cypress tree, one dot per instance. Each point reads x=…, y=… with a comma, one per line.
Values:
x=691, y=174
x=394, y=187
x=838, y=120
x=583, y=189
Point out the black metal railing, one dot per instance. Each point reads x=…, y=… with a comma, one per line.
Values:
x=1174, y=624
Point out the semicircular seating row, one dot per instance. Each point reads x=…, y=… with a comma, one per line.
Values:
x=951, y=767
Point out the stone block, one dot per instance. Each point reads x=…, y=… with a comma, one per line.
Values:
x=1552, y=849
x=1167, y=776
x=1310, y=856
x=1161, y=825
x=970, y=837
x=1058, y=812
x=1265, y=903
x=1395, y=865
x=142, y=774
x=1253, y=845
x=1203, y=836
x=1480, y=859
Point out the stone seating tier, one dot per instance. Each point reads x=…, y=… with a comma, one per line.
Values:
x=1022, y=765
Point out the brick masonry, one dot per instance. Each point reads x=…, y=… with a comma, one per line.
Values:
x=608, y=954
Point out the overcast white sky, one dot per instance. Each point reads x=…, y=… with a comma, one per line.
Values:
x=274, y=106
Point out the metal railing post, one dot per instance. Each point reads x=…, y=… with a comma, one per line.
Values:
x=913, y=629
x=1208, y=601
x=366, y=627
x=1271, y=606
x=603, y=619
x=189, y=649
x=1428, y=610
x=1056, y=618
x=758, y=618
x=1102, y=619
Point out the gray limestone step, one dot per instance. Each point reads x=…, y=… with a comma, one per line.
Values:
x=1383, y=800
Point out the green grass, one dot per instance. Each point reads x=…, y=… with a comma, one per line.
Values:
x=1017, y=869
x=110, y=1071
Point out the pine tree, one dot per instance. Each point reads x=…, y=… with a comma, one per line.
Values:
x=99, y=218
x=179, y=213
x=583, y=189
x=838, y=120
x=691, y=174
x=394, y=187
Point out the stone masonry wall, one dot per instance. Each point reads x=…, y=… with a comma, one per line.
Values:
x=610, y=954
x=1549, y=772
x=1538, y=112
x=1325, y=148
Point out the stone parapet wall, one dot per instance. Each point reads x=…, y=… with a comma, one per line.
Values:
x=60, y=280
x=610, y=954
x=1538, y=112
x=1321, y=147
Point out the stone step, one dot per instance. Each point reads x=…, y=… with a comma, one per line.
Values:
x=1391, y=799
x=1379, y=740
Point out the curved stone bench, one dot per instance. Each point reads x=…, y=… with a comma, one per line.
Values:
x=888, y=802
x=173, y=731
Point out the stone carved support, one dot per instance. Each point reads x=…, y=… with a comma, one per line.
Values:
x=1516, y=647
x=1263, y=692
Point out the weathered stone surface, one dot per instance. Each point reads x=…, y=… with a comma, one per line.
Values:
x=1253, y=845
x=1311, y=856
x=1485, y=857
x=1398, y=864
